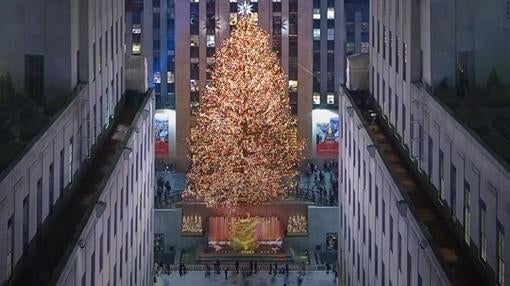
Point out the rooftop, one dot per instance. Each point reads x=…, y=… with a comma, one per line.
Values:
x=485, y=112
x=63, y=232
x=23, y=120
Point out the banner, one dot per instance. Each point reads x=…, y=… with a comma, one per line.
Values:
x=327, y=133
x=161, y=140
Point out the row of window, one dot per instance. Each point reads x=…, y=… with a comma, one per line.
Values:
x=63, y=183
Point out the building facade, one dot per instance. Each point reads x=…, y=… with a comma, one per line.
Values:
x=179, y=39
x=357, y=28
x=416, y=46
x=73, y=49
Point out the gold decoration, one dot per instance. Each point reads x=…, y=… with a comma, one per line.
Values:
x=242, y=146
x=297, y=224
x=192, y=224
x=243, y=235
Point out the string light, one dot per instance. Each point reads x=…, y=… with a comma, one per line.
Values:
x=243, y=146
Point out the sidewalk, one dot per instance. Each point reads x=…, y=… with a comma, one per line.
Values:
x=314, y=278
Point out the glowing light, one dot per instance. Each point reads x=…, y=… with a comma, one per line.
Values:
x=243, y=146
x=245, y=9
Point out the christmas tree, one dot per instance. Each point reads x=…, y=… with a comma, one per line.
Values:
x=243, y=147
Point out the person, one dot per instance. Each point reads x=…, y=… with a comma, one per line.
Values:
x=237, y=266
x=251, y=266
x=256, y=267
x=287, y=268
x=275, y=268
x=180, y=269
x=226, y=273
x=270, y=268
x=207, y=269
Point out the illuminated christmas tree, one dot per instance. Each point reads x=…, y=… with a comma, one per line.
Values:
x=243, y=146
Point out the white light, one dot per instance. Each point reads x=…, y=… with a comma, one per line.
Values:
x=244, y=9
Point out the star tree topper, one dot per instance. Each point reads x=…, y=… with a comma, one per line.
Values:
x=245, y=9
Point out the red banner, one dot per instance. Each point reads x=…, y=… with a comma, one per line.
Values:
x=161, y=148
x=327, y=148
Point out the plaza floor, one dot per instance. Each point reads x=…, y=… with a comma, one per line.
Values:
x=197, y=278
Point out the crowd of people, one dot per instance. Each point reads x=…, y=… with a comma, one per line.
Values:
x=245, y=269
x=317, y=184
x=165, y=195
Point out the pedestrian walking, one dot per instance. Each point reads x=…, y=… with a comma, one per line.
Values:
x=237, y=266
x=256, y=267
x=270, y=268
x=226, y=273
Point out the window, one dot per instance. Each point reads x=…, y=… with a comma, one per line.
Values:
x=194, y=85
x=453, y=188
x=233, y=18
x=316, y=98
x=108, y=235
x=376, y=201
x=467, y=213
x=500, y=253
x=330, y=98
x=120, y=260
x=383, y=216
x=70, y=161
x=391, y=233
x=399, y=248
x=409, y=268
x=101, y=253
x=10, y=247
x=404, y=58
x=210, y=41
x=115, y=219
x=293, y=85
x=404, y=117
x=369, y=244
x=39, y=201
x=316, y=13
x=26, y=222
x=507, y=9
x=34, y=76
x=430, y=157
x=376, y=259
x=331, y=34
x=170, y=77
x=483, y=231
x=316, y=34
x=331, y=13
x=157, y=77
x=93, y=269
x=194, y=40
x=441, y=174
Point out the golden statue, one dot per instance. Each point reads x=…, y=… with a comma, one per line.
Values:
x=243, y=235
